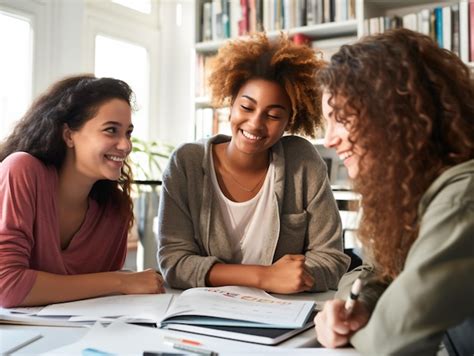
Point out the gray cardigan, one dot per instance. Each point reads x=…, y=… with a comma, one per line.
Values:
x=192, y=235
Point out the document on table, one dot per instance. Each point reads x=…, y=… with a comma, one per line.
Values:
x=147, y=308
x=12, y=340
x=237, y=306
x=120, y=339
x=130, y=308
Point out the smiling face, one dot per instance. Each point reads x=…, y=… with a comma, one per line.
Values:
x=337, y=137
x=98, y=149
x=259, y=115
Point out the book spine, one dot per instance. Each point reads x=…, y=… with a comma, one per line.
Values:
x=311, y=12
x=410, y=21
x=464, y=30
x=259, y=15
x=439, y=26
x=225, y=18
x=244, y=18
x=235, y=14
x=455, y=40
x=424, y=21
x=351, y=9
x=433, y=24
x=206, y=21
x=327, y=11
x=252, y=11
x=471, y=30
x=447, y=28
x=319, y=14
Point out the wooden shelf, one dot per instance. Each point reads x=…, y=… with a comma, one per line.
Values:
x=320, y=31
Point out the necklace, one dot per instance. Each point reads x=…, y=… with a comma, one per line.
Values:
x=243, y=187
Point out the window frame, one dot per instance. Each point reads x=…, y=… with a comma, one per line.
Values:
x=124, y=24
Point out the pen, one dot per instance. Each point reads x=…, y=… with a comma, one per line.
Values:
x=95, y=352
x=182, y=341
x=194, y=349
x=353, y=296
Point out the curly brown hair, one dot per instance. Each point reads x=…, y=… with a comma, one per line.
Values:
x=414, y=109
x=290, y=65
x=72, y=101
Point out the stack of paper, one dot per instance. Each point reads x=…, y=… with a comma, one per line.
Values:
x=147, y=308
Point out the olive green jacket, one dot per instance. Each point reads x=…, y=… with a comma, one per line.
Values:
x=435, y=290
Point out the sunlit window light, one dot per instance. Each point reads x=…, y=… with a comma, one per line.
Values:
x=138, y=5
x=16, y=42
x=130, y=63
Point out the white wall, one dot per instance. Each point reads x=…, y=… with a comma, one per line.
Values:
x=176, y=110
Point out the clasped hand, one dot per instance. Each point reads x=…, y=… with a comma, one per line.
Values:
x=288, y=275
x=146, y=282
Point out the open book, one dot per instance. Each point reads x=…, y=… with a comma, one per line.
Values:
x=237, y=306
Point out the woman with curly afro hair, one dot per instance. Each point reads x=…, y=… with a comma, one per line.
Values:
x=254, y=209
x=400, y=113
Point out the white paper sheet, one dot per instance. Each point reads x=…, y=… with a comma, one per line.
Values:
x=125, y=339
x=147, y=306
x=12, y=340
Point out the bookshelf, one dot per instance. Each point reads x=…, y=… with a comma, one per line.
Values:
x=336, y=26
x=346, y=21
x=327, y=30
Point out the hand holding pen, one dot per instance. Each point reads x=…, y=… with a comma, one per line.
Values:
x=339, y=319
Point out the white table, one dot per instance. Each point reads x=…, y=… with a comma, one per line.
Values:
x=54, y=337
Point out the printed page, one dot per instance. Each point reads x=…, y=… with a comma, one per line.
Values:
x=240, y=304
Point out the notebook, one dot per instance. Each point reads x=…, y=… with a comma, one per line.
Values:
x=236, y=306
x=258, y=335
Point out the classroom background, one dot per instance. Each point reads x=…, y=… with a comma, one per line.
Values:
x=164, y=50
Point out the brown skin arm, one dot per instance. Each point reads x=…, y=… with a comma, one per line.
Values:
x=285, y=276
x=53, y=288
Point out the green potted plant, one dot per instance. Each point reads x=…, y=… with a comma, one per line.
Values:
x=148, y=159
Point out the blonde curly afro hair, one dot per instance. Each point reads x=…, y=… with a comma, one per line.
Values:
x=292, y=66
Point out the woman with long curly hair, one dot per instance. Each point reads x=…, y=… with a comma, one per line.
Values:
x=400, y=113
x=65, y=206
x=254, y=209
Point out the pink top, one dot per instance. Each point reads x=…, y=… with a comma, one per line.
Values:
x=29, y=230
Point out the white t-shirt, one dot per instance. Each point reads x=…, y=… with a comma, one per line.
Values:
x=247, y=223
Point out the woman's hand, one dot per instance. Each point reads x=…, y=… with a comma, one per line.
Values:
x=146, y=282
x=287, y=275
x=334, y=328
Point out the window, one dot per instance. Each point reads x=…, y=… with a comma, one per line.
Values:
x=122, y=42
x=16, y=41
x=138, y=5
x=129, y=62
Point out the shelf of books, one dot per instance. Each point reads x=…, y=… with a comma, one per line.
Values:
x=319, y=23
x=325, y=25
x=449, y=23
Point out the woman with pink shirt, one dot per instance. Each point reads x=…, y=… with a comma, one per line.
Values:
x=65, y=206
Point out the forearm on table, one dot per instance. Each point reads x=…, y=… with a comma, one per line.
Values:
x=234, y=274
x=53, y=288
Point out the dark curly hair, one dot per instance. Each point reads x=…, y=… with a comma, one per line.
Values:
x=414, y=109
x=72, y=101
x=292, y=66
